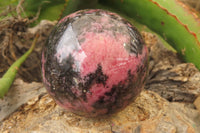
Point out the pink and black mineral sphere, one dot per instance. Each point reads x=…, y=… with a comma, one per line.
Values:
x=94, y=63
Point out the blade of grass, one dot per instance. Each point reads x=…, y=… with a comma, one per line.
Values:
x=8, y=78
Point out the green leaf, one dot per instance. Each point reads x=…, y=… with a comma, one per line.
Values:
x=8, y=78
x=178, y=26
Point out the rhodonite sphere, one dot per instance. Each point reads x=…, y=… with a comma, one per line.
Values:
x=94, y=63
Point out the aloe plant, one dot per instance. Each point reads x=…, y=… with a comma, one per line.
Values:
x=170, y=18
x=8, y=78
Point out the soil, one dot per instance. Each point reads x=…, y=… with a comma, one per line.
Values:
x=16, y=37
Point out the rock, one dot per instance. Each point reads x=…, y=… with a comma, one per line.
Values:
x=168, y=76
x=94, y=62
x=148, y=114
x=19, y=94
x=197, y=103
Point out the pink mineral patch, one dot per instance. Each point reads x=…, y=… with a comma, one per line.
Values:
x=99, y=63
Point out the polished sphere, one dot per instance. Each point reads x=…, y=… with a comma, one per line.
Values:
x=94, y=63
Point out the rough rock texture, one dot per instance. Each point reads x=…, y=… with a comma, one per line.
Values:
x=148, y=114
x=19, y=94
x=169, y=76
x=197, y=103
